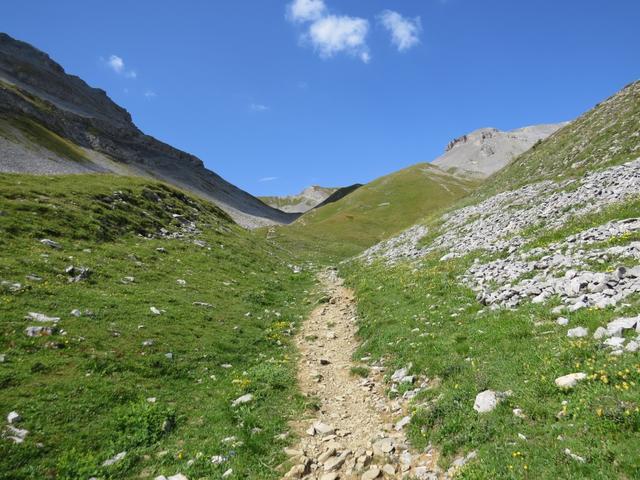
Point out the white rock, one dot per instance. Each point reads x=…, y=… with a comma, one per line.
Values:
x=242, y=400
x=562, y=321
x=13, y=417
x=403, y=422
x=76, y=313
x=600, y=332
x=323, y=428
x=178, y=476
x=114, y=459
x=632, y=346
x=485, y=401
x=181, y=282
x=577, y=458
x=226, y=474
x=41, y=317
x=570, y=380
x=577, y=332
x=50, y=243
x=614, y=342
x=155, y=311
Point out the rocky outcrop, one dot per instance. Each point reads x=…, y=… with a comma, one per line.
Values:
x=53, y=123
x=487, y=150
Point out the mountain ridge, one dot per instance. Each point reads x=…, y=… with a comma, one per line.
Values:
x=36, y=88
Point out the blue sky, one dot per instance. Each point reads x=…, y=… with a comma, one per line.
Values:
x=275, y=96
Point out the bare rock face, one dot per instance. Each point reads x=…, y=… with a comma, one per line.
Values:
x=487, y=150
x=97, y=134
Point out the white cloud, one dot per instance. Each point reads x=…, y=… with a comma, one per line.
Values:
x=340, y=34
x=116, y=63
x=258, y=107
x=404, y=31
x=268, y=179
x=150, y=94
x=330, y=34
x=306, y=10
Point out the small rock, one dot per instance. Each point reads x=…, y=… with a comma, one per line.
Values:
x=148, y=343
x=242, y=400
x=50, y=243
x=577, y=458
x=155, y=311
x=600, y=332
x=632, y=346
x=389, y=469
x=39, y=331
x=577, y=332
x=226, y=474
x=41, y=317
x=114, y=459
x=403, y=422
x=181, y=282
x=13, y=417
x=570, y=380
x=485, y=401
x=76, y=313
x=323, y=428
x=178, y=476
x=371, y=474
x=330, y=476
x=562, y=321
x=16, y=435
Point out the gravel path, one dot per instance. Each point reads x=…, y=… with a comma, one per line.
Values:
x=357, y=433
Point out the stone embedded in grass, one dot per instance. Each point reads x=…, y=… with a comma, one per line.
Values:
x=488, y=400
x=618, y=326
x=41, y=317
x=632, y=346
x=114, y=459
x=614, y=342
x=570, y=380
x=575, y=457
x=181, y=282
x=77, y=274
x=226, y=474
x=562, y=321
x=3, y=358
x=148, y=343
x=577, y=332
x=50, y=243
x=600, y=332
x=161, y=250
x=155, y=311
x=169, y=355
x=403, y=422
x=13, y=417
x=39, y=331
x=218, y=459
x=178, y=476
x=128, y=280
x=76, y=313
x=244, y=399
x=202, y=304
x=16, y=435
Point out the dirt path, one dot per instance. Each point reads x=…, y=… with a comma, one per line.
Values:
x=356, y=432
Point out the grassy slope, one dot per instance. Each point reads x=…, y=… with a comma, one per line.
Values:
x=375, y=211
x=82, y=394
x=521, y=350
x=605, y=136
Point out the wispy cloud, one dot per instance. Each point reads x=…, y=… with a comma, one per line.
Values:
x=340, y=34
x=149, y=94
x=116, y=63
x=306, y=10
x=268, y=179
x=258, y=107
x=330, y=34
x=405, y=32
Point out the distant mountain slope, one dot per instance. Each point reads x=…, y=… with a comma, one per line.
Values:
x=487, y=150
x=378, y=209
x=52, y=123
x=309, y=198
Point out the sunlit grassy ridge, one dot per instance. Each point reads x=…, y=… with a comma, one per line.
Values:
x=83, y=394
x=607, y=135
x=375, y=211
